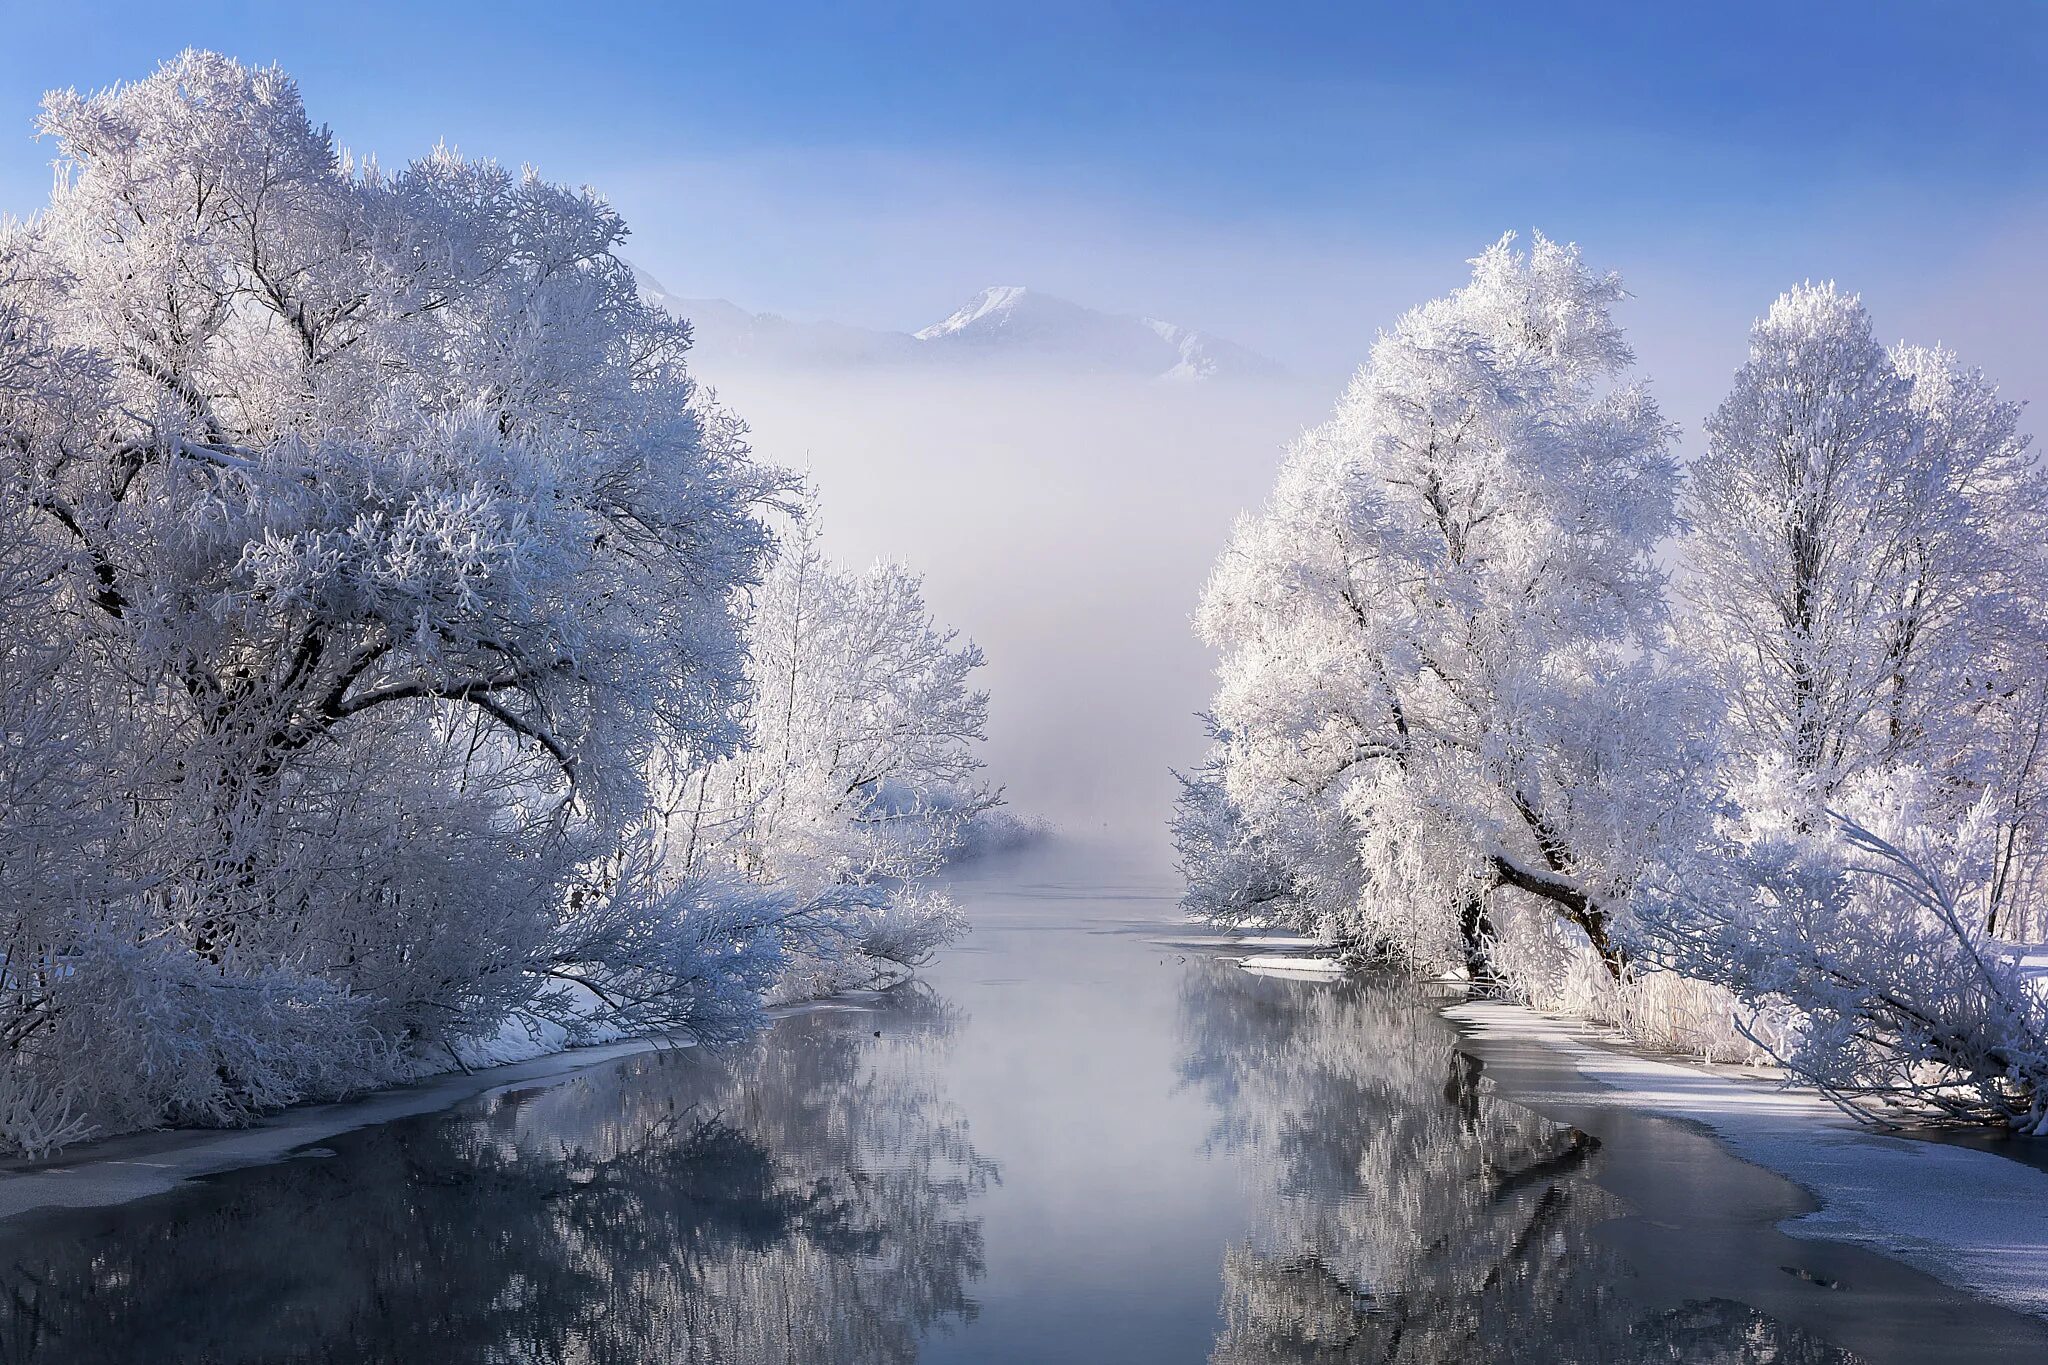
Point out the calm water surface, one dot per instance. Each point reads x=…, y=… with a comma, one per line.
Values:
x=1082, y=1137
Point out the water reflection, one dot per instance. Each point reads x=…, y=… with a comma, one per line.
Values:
x=1364, y=1189
x=1402, y=1211
x=808, y=1199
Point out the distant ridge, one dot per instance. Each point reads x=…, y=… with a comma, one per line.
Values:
x=1002, y=325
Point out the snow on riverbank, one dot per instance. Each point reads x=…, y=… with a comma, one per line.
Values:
x=1283, y=955
x=1281, y=964
x=526, y=1050
x=138, y=1165
x=117, y=1170
x=523, y=1036
x=1971, y=1218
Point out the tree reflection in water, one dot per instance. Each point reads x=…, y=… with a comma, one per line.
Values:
x=803, y=1200
x=1405, y=1212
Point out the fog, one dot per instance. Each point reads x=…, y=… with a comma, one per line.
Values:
x=1065, y=524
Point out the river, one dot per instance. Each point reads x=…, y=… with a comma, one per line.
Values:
x=1084, y=1135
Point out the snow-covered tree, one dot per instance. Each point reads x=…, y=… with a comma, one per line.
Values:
x=1852, y=550
x=858, y=778
x=1452, y=719
x=1865, y=586
x=391, y=542
x=1437, y=703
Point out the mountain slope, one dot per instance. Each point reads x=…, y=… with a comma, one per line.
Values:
x=726, y=331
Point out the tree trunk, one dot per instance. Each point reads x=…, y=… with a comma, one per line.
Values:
x=1476, y=927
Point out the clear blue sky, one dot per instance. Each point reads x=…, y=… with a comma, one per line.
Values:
x=1288, y=172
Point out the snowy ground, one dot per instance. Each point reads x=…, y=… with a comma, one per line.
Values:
x=1973, y=1219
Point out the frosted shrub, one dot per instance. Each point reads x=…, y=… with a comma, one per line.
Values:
x=1874, y=930
x=995, y=832
x=1674, y=1013
x=1549, y=967
x=857, y=781
x=1669, y=1012
x=660, y=955
x=172, y=1039
x=37, y=1111
x=911, y=928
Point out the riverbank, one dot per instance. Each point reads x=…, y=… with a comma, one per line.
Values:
x=1974, y=1219
x=116, y=1170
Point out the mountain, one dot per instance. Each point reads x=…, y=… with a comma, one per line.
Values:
x=1014, y=322
x=1007, y=325
x=726, y=331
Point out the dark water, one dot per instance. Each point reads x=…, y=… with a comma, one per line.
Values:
x=1082, y=1138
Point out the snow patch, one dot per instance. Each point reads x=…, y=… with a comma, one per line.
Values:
x=524, y=1036
x=999, y=303
x=1279, y=964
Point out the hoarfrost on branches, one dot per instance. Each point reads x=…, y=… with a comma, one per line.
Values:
x=370, y=556
x=1438, y=705
x=1455, y=723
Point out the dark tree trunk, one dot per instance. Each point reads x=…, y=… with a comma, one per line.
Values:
x=1476, y=928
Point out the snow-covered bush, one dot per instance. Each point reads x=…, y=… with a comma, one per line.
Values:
x=998, y=831
x=857, y=780
x=1873, y=930
x=911, y=928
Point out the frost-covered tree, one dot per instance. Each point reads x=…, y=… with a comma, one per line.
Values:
x=1436, y=700
x=2015, y=804
x=858, y=778
x=1452, y=719
x=1853, y=551
x=1865, y=586
x=391, y=542
x=57, y=832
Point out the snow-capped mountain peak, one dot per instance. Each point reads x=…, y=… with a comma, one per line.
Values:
x=1004, y=323
x=999, y=302
x=1015, y=313
x=1030, y=324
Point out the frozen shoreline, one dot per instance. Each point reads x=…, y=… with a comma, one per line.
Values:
x=118, y=1170
x=1973, y=1219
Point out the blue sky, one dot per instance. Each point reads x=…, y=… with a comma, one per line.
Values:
x=1290, y=174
